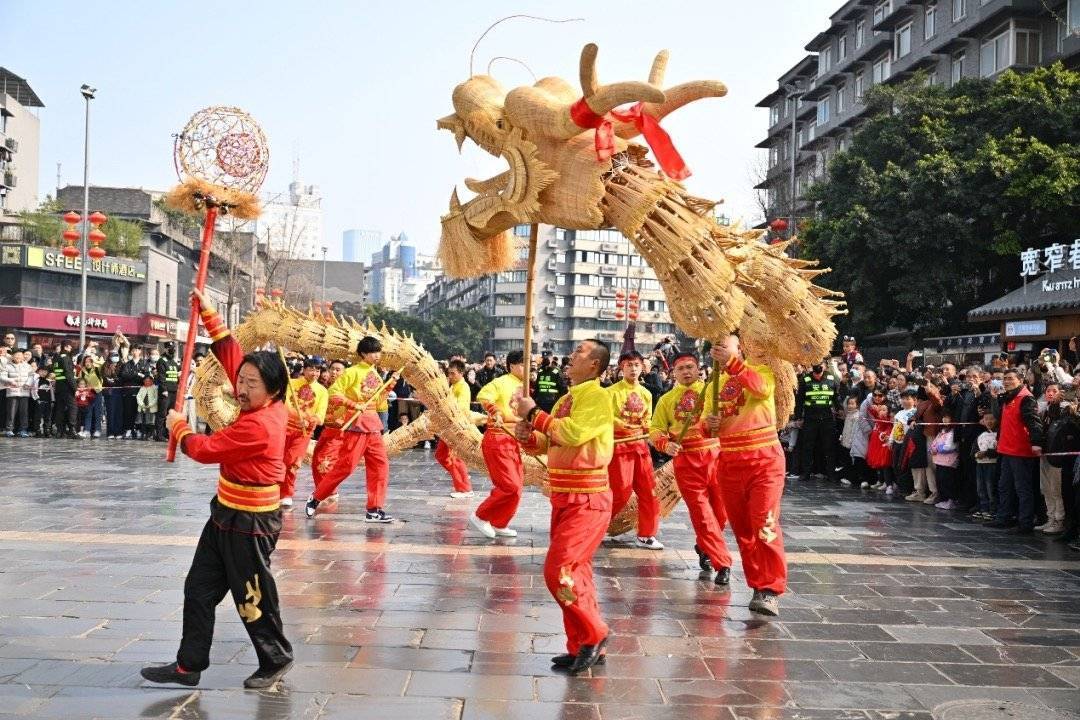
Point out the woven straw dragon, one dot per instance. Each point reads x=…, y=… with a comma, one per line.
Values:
x=717, y=279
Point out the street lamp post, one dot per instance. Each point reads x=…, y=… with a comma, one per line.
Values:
x=794, y=92
x=324, y=275
x=88, y=94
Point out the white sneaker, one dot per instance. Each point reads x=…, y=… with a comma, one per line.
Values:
x=915, y=497
x=931, y=499
x=889, y=490
x=1052, y=528
x=97, y=435
x=286, y=502
x=649, y=543
x=845, y=482
x=482, y=526
x=462, y=494
x=505, y=532
x=1042, y=528
x=864, y=485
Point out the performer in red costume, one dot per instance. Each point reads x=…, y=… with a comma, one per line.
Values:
x=631, y=467
x=354, y=430
x=695, y=464
x=459, y=471
x=307, y=410
x=578, y=439
x=750, y=469
x=233, y=554
x=502, y=455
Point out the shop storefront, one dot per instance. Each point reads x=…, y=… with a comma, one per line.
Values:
x=962, y=350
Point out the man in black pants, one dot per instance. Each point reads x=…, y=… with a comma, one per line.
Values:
x=816, y=403
x=168, y=379
x=65, y=412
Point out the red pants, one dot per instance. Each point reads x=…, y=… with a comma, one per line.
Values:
x=337, y=454
x=631, y=470
x=695, y=474
x=459, y=471
x=503, y=460
x=296, y=445
x=752, y=484
x=578, y=525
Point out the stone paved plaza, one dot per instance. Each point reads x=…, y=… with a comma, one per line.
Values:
x=894, y=612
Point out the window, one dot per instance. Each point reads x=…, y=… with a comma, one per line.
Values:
x=959, y=10
x=881, y=11
x=521, y=230
x=932, y=78
x=841, y=101
x=860, y=33
x=929, y=22
x=774, y=114
x=1028, y=47
x=560, y=278
x=157, y=297
x=902, y=41
x=843, y=144
x=860, y=86
x=1072, y=15
x=774, y=156
x=958, y=67
x=168, y=299
x=994, y=56
x=841, y=48
x=824, y=61
x=881, y=70
x=823, y=111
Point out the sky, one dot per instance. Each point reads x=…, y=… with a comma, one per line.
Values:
x=353, y=89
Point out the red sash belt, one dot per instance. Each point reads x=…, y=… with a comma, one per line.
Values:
x=590, y=480
x=251, y=498
x=749, y=440
x=699, y=444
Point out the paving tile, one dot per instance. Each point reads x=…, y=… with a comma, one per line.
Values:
x=948, y=636
x=412, y=659
x=916, y=652
x=599, y=690
x=1001, y=675
x=501, y=710
x=892, y=672
x=851, y=695
x=464, y=685
x=342, y=706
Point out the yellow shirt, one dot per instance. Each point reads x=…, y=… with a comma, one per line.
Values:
x=495, y=397
x=311, y=399
x=462, y=395
x=632, y=405
x=747, y=407
x=349, y=392
x=674, y=409
x=578, y=437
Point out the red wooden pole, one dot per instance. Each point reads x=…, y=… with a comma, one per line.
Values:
x=193, y=320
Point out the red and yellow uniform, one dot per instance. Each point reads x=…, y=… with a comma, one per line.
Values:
x=578, y=438
x=695, y=472
x=338, y=451
x=631, y=466
x=459, y=472
x=307, y=410
x=750, y=470
x=501, y=450
x=233, y=554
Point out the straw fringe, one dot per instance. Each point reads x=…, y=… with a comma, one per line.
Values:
x=188, y=197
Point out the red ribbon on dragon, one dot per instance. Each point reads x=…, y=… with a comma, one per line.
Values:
x=655, y=136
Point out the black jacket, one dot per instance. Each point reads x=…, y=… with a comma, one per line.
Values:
x=485, y=375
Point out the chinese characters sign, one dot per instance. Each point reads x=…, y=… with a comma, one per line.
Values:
x=91, y=321
x=1050, y=259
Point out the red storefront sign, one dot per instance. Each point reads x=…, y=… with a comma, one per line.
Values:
x=67, y=321
x=157, y=326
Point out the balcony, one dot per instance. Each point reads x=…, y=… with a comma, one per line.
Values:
x=911, y=63
x=11, y=144
x=871, y=49
x=902, y=12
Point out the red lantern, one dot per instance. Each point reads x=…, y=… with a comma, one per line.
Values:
x=72, y=218
x=778, y=225
x=70, y=251
x=260, y=291
x=96, y=253
x=97, y=218
x=277, y=292
x=633, y=316
x=618, y=316
x=70, y=235
x=620, y=294
x=633, y=306
x=633, y=296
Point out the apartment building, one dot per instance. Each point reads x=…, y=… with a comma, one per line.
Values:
x=581, y=277
x=818, y=102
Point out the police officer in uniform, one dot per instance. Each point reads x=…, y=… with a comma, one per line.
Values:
x=65, y=412
x=815, y=407
x=168, y=377
x=550, y=385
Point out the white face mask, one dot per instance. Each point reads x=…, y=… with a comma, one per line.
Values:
x=154, y=358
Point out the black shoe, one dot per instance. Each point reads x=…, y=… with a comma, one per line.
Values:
x=565, y=661
x=703, y=560
x=261, y=678
x=723, y=577
x=588, y=656
x=1001, y=524
x=169, y=674
x=378, y=515
x=1018, y=530
x=310, y=506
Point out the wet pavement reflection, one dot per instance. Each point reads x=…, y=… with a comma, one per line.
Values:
x=894, y=611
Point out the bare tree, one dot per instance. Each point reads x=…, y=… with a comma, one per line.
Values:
x=757, y=170
x=281, y=240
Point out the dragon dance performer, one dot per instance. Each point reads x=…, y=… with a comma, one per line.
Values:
x=353, y=430
x=750, y=469
x=501, y=451
x=307, y=410
x=233, y=554
x=578, y=437
x=695, y=464
x=631, y=467
x=444, y=455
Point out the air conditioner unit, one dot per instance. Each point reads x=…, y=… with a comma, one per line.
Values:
x=609, y=247
x=551, y=326
x=553, y=243
x=550, y=287
x=551, y=264
x=549, y=310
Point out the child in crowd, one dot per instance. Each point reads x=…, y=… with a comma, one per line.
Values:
x=847, y=435
x=43, y=426
x=83, y=397
x=946, y=457
x=986, y=468
x=147, y=402
x=898, y=438
x=878, y=454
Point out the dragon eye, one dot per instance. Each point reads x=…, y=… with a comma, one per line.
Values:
x=499, y=123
